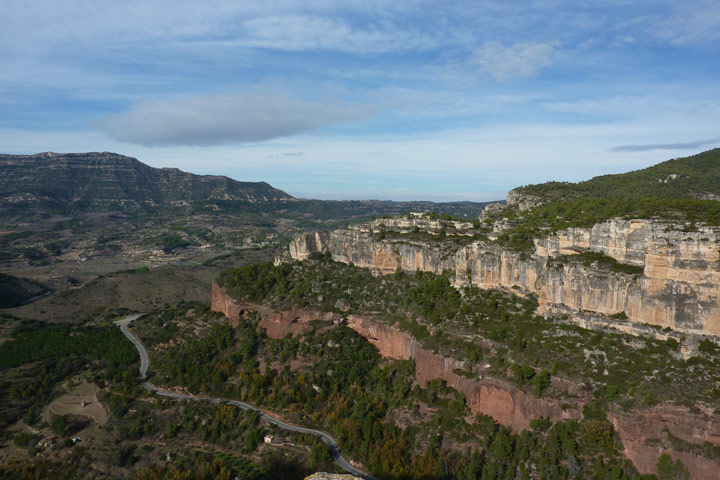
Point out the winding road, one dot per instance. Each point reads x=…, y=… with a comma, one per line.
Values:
x=145, y=362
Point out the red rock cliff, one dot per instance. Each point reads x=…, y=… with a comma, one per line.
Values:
x=500, y=400
x=644, y=433
x=277, y=324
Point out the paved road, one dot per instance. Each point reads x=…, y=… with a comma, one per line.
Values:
x=145, y=362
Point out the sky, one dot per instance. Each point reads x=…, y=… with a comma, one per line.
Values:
x=377, y=99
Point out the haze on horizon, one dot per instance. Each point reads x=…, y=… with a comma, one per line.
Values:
x=371, y=99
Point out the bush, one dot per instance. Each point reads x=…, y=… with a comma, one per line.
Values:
x=58, y=424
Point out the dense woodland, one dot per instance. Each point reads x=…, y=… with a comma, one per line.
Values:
x=688, y=177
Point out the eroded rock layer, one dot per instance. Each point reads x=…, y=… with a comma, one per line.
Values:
x=679, y=286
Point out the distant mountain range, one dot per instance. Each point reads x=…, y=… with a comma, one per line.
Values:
x=85, y=182
x=108, y=179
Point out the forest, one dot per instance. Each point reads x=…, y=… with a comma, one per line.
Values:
x=339, y=382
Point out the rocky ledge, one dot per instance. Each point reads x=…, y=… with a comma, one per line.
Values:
x=669, y=278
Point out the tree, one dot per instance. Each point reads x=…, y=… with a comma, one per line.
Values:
x=58, y=425
x=541, y=382
x=669, y=470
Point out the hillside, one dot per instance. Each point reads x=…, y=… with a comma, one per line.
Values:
x=15, y=291
x=105, y=179
x=682, y=191
x=697, y=176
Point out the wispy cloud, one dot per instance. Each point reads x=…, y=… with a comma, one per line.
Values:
x=519, y=60
x=303, y=32
x=225, y=119
x=288, y=154
x=690, y=24
x=666, y=146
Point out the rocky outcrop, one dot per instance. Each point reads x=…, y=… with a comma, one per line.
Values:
x=644, y=434
x=498, y=399
x=277, y=323
x=523, y=201
x=679, y=287
x=413, y=222
x=645, y=437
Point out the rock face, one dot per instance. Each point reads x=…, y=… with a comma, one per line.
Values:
x=498, y=399
x=407, y=224
x=277, y=324
x=640, y=431
x=679, y=287
x=103, y=179
x=522, y=201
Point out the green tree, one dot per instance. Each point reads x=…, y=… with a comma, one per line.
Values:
x=669, y=470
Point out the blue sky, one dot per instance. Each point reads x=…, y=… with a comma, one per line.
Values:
x=367, y=99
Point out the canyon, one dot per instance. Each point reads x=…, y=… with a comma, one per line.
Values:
x=641, y=432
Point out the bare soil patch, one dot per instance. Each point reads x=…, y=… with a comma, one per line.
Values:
x=81, y=400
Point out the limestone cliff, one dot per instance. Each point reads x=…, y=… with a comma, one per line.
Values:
x=277, y=323
x=496, y=398
x=679, y=287
x=523, y=201
x=407, y=224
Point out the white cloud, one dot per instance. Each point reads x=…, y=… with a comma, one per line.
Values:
x=303, y=32
x=224, y=119
x=690, y=24
x=523, y=59
x=479, y=162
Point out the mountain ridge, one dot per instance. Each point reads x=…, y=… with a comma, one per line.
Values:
x=696, y=176
x=106, y=178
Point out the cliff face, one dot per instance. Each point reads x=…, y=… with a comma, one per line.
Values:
x=277, y=324
x=500, y=400
x=522, y=201
x=679, y=287
x=641, y=432
x=406, y=224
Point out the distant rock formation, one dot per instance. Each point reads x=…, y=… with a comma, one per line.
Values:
x=111, y=180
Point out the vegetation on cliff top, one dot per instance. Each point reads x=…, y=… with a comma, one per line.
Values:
x=617, y=368
x=688, y=177
x=676, y=191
